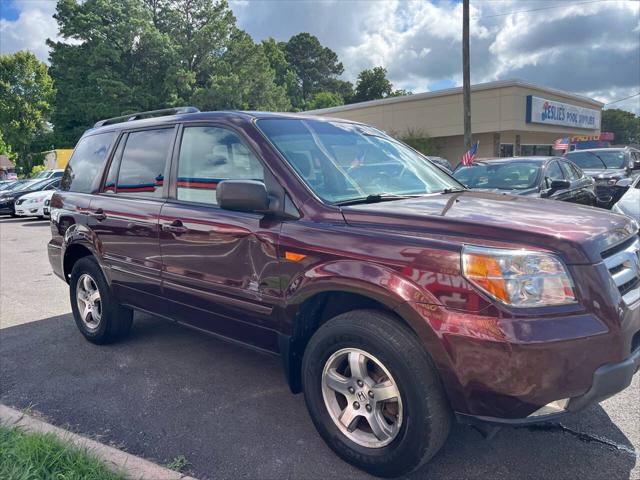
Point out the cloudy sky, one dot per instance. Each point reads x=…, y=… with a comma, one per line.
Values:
x=590, y=47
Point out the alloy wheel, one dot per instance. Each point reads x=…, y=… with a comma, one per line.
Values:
x=362, y=397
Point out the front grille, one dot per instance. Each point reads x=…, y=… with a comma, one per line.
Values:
x=623, y=263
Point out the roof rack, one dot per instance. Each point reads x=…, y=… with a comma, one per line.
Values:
x=151, y=113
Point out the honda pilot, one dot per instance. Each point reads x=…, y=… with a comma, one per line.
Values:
x=398, y=300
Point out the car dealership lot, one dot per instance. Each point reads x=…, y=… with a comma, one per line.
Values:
x=168, y=391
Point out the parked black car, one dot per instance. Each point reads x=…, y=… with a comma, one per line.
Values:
x=546, y=177
x=607, y=166
x=9, y=197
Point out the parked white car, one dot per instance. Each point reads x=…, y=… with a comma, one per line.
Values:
x=35, y=204
x=629, y=203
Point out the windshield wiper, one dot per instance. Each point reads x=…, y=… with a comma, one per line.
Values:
x=375, y=198
x=454, y=190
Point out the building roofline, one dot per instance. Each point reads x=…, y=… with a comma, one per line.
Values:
x=452, y=91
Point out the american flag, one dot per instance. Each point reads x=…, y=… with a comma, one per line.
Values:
x=467, y=158
x=561, y=143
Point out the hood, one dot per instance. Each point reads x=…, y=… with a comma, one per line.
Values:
x=38, y=193
x=578, y=232
x=629, y=204
x=606, y=173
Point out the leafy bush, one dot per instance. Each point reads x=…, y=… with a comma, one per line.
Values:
x=418, y=139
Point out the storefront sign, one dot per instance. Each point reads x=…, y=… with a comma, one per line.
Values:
x=603, y=137
x=551, y=112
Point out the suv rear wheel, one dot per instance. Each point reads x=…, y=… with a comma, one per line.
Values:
x=374, y=394
x=98, y=316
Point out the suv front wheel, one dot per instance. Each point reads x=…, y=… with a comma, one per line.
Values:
x=98, y=316
x=374, y=394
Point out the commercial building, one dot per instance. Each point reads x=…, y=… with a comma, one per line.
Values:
x=508, y=118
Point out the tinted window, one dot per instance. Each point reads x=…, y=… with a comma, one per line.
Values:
x=209, y=155
x=143, y=161
x=501, y=176
x=569, y=173
x=599, y=159
x=86, y=164
x=553, y=173
x=112, y=175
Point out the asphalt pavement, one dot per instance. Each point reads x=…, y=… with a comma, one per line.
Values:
x=168, y=391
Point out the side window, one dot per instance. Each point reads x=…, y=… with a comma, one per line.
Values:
x=569, y=173
x=143, y=160
x=209, y=155
x=112, y=175
x=553, y=173
x=576, y=171
x=85, y=166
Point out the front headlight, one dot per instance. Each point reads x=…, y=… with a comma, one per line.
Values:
x=519, y=278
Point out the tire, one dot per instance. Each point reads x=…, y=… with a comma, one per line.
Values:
x=112, y=321
x=422, y=413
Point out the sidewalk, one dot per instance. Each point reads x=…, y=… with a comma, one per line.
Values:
x=116, y=460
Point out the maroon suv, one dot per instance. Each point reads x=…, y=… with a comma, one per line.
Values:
x=397, y=299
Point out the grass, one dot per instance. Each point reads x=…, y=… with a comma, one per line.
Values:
x=36, y=456
x=178, y=464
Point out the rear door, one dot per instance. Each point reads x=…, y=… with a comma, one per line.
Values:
x=553, y=172
x=582, y=190
x=124, y=216
x=220, y=268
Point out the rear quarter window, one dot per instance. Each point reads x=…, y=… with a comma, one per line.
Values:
x=87, y=162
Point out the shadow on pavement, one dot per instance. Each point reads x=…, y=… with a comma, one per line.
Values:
x=36, y=223
x=168, y=391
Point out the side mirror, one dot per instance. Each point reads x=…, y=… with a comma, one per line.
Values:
x=635, y=165
x=560, y=185
x=243, y=196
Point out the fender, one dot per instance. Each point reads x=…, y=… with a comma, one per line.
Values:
x=79, y=234
x=373, y=281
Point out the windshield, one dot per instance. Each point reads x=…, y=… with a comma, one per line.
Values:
x=38, y=184
x=43, y=174
x=25, y=185
x=344, y=162
x=501, y=176
x=599, y=159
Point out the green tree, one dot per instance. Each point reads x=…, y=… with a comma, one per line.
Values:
x=624, y=125
x=373, y=84
x=244, y=80
x=117, y=63
x=5, y=149
x=324, y=100
x=284, y=75
x=315, y=66
x=417, y=139
x=26, y=91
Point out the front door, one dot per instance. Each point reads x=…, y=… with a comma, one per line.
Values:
x=124, y=216
x=219, y=267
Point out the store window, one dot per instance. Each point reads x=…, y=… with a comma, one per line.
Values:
x=536, y=150
x=506, y=149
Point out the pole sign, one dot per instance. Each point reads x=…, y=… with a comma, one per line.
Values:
x=552, y=112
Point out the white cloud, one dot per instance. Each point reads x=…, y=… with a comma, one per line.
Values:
x=30, y=31
x=585, y=47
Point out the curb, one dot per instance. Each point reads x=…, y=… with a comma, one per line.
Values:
x=115, y=460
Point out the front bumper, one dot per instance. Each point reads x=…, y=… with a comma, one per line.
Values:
x=608, y=380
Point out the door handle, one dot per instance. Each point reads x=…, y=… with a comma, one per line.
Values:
x=99, y=215
x=175, y=227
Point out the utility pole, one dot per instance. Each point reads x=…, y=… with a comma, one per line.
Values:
x=466, y=81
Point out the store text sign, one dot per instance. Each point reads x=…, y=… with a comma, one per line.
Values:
x=552, y=112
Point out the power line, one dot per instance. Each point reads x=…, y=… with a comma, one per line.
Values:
x=538, y=9
x=625, y=98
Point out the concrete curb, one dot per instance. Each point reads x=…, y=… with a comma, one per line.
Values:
x=115, y=460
